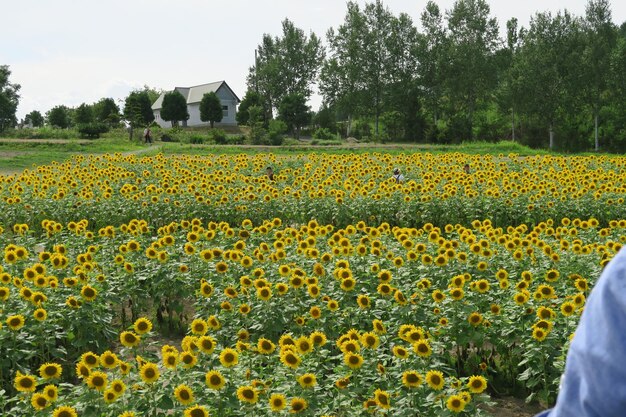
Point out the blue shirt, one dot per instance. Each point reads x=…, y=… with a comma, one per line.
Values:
x=594, y=381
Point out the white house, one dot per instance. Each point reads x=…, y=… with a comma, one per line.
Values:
x=193, y=95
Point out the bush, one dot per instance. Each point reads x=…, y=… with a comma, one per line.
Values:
x=276, y=132
x=236, y=139
x=218, y=136
x=362, y=129
x=196, y=139
x=323, y=133
x=258, y=136
x=92, y=130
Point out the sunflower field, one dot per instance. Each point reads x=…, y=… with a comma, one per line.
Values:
x=331, y=291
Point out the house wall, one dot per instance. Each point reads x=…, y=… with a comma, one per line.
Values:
x=194, y=112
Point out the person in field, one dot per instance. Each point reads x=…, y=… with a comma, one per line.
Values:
x=594, y=381
x=466, y=168
x=147, y=135
x=397, y=176
x=270, y=173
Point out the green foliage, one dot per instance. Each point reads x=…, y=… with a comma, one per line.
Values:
x=323, y=133
x=251, y=99
x=83, y=114
x=218, y=136
x=211, y=108
x=285, y=65
x=34, y=118
x=294, y=111
x=174, y=107
x=92, y=130
x=9, y=99
x=107, y=111
x=276, y=132
x=138, y=110
x=59, y=117
x=393, y=124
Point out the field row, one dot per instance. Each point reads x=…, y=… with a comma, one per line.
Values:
x=313, y=319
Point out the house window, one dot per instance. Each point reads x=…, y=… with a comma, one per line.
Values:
x=224, y=111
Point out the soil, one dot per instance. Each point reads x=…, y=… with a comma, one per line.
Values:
x=512, y=407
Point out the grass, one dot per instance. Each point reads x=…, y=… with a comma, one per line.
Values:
x=18, y=154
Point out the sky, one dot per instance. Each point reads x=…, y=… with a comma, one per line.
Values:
x=78, y=51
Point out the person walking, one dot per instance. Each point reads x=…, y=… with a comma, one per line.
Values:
x=147, y=135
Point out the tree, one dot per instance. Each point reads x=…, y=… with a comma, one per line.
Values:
x=9, y=99
x=211, y=108
x=83, y=114
x=138, y=110
x=252, y=98
x=294, y=112
x=432, y=60
x=286, y=65
x=473, y=39
x=106, y=111
x=601, y=38
x=59, y=116
x=546, y=70
x=342, y=74
x=174, y=108
x=34, y=118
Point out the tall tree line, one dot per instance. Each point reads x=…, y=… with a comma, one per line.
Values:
x=560, y=82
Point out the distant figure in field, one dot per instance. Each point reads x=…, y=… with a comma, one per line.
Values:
x=397, y=175
x=466, y=168
x=147, y=135
x=270, y=173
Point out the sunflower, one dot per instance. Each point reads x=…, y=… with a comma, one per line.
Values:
x=435, y=380
x=475, y=319
x=455, y=403
x=277, y=402
x=130, y=339
x=215, y=380
x=304, y=345
x=90, y=359
x=51, y=392
x=422, y=348
x=265, y=346
x=540, y=334
x=206, y=344
x=117, y=386
x=318, y=338
x=307, y=380
x=149, y=372
x=184, y=394
x=97, y=380
x=110, y=396
x=24, y=383
x=290, y=359
x=568, y=308
x=50, y=370
x=199, y=327
x=477, y=384
x=298, y=404
x=248, y=394
x=221, y=267
x=196, y=411
x=400, y=352
x=411, y=379
x=64, y=411
x=188, y=359
x=88, y=293
x=264, y=293
x=15, y=322
x=142, y=325
x=39, y=401
x=353, y=360
x=382, y=399
x=229, y=357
